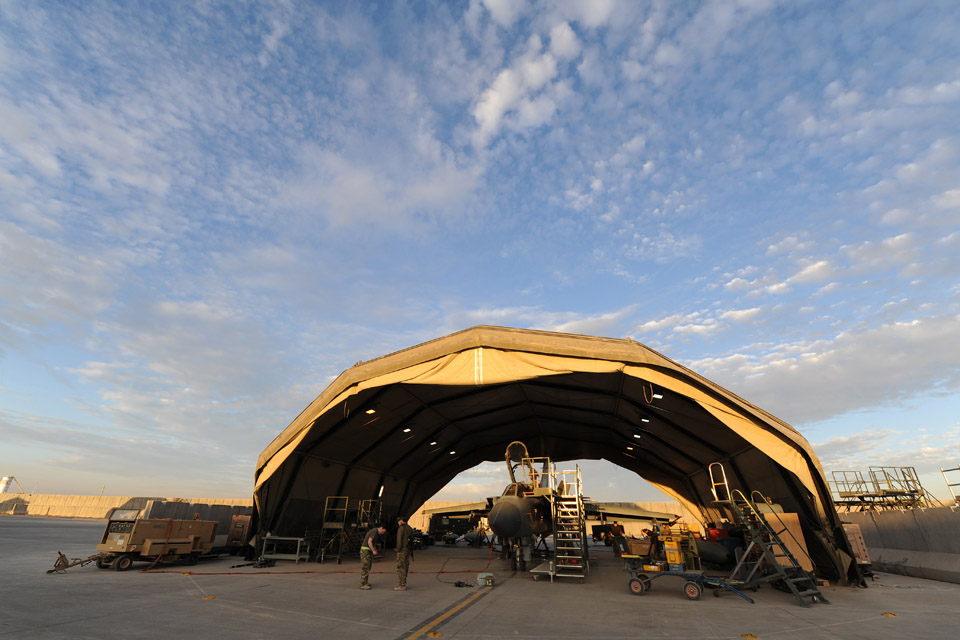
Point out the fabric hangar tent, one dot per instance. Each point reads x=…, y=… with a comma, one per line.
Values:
x=400, y=427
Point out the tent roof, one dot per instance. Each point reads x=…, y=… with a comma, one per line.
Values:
x=402, y=426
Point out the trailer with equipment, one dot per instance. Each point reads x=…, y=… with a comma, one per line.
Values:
x=127, y=539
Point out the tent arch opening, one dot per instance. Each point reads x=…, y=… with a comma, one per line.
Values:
x=400, y=427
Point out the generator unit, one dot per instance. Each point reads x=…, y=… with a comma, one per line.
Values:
x=127, y=538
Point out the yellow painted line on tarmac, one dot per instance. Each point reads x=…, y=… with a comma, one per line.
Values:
x=438, y=620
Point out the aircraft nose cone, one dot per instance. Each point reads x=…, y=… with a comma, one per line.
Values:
x=504, y=519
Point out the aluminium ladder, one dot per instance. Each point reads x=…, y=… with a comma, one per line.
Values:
x=334, y=534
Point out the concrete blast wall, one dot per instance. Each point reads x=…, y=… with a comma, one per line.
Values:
x=220, y=513
x=924, y=543
x=39, y=504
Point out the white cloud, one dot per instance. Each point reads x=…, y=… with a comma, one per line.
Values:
x=596, y=13
x=897, y=217
x=669, y=55
x=516, y=90
x=633, y=70
x=505, y=12
x=815, y=272
x=605, y=324
x=947, y=200
x=741, y=315
x=497, y=100
x=564, y=44
x=854, y=452
x=663, y=246
x=941, y=93
x=591, y=68
x=635, y=144
x=533, y=113
x=923, y=451
x=738, y=284
x=700, y=329
x=778, y=288
x=668, y=322
x=877, y=367
x=47, y=285
x=538, y=71
x=890, y=252
x=698, y=38
x=279, y=28
x=346, y=191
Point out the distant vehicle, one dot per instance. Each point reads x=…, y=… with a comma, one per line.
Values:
x=420, y=540
x=457, y=522
x=602, y=533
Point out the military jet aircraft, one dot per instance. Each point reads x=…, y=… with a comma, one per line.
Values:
x=522, y=515
x=519, y=514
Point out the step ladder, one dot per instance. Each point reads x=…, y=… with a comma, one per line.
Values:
x=368, y=515
x=571, y=554
x=766, y=559
x=334, y=536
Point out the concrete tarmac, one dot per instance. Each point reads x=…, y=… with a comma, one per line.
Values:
x=214, y=599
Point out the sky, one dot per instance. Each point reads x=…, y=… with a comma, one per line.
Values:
x=209, y=210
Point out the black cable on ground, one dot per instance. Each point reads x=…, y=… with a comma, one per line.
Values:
x=458, y=582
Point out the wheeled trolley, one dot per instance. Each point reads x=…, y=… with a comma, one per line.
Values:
x=694, y=582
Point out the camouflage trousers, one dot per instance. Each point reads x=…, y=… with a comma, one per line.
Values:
x=366, y=562
x=403, y=564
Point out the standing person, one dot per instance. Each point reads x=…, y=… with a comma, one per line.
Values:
x=370, y=547
x=404, y=542
x=619, y=542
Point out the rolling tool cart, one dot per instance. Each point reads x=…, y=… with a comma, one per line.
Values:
x=679, y=548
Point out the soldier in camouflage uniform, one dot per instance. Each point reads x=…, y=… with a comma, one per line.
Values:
x=404, y=542
x=370, y=547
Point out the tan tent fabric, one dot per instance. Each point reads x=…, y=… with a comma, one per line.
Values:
x=567, y=396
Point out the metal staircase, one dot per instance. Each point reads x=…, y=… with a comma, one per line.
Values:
x=766, y=559
x=564, y=492
x=569, y=529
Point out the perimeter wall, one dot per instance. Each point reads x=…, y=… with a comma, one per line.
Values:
x=41, y=504
x=924, y=543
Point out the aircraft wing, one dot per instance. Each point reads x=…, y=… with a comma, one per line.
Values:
x=467, y=509
x=627, y=513
x=592, y=508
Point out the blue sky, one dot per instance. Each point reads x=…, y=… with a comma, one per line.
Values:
x=209, y=210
